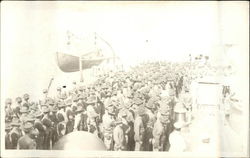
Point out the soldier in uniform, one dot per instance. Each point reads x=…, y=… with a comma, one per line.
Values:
x=24, y=114
x=139, y=129
x=40, y=127
x=15, y=132
x=150, y=125
x=8, y=110
x=80, y=123
x=108, y=126
x=17, y=107
x=27, y=141
x=119, y=136
x=48, y=125
x=53, y=118
x=160, y=134
x=26, y=98
x=93, y=117
x=61, y=126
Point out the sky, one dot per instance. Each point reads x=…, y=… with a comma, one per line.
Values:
x=32, y=32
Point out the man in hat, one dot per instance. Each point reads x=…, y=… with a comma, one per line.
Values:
x=140, y=128
x=15, y=132
x=70, y=116
x=80, y=123
x=17, y=106
x=62, y=110
x=45, y=95
x=108, y=125
x=27, y=141
x=93, y=116
x=160, y=134
x=176, y=140
x=150, y=124
x=40, y=127
x=187, y=100
x=53, y=118
x=24, y=113
x=128, y=121
x=8, y=110
x=26, y=98
x=119, y=136
x=47, y=124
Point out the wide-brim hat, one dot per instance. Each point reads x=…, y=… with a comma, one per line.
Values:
x=150, y=104
x=68, y=102
x=38, y=114
x=45, y=109
x=91, y=100
x=24, y=109
x=27, y=126
x=61, y=105
x=15, y=122
x=79, y=107
x=7, y=126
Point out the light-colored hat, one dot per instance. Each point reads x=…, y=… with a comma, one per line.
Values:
x=178, y=124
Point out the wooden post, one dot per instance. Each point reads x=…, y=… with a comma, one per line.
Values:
x=80, y=69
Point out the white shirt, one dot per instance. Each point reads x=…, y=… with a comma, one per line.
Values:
x=177, y=142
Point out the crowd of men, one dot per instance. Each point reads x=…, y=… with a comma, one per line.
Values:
x=134, y=110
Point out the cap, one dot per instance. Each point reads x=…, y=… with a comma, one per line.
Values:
x=68, y=102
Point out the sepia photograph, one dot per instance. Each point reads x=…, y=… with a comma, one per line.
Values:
x=124, y=79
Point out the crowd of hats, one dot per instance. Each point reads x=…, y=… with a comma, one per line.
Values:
x=139, y=82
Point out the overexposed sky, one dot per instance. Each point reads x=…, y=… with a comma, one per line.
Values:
x=31, y=33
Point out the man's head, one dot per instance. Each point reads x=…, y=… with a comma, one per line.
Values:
x=26, y=97
x=19, y=100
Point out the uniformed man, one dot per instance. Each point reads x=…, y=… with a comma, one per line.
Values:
x=27, y=141
x=119, y=136
x=139, y=129
x=16, y=108
x=160, y=134
x=15, y=132
x=150, y=125
x=8, y=110
x=48, y=125
x=80, y=123
x=24, y=113
x=40, y=127
x=108, y=126
x=53, y=118
x=26, y=98
x=93, y=116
